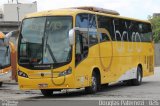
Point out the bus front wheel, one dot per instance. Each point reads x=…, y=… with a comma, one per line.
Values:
x=47, y=92
x=94, y=84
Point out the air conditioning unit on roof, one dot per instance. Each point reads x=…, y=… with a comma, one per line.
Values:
x=97, y=9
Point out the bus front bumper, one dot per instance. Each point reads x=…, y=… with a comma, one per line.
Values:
x=46, y=83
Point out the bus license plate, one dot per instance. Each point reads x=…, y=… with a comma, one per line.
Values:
x=42, y=85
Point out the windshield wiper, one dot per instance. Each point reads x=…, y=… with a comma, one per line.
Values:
x=48, y=46
x=51, y=53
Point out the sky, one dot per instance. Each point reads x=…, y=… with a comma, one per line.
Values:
x=131, y=8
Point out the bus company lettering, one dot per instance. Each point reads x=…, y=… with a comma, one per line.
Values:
x=135, y=36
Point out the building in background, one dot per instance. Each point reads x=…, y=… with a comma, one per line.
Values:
x=156, y=14
x=12, y=14
x=1, y=14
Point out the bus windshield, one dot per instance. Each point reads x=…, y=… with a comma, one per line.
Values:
x=45, y=40
x=4, y=56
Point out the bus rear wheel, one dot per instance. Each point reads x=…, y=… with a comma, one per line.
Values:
x=47, y=92
x=138, y=80
x=1, y=84
x=94, y=84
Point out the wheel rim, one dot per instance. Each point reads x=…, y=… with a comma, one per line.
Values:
x=139, y=76
x=94, y=83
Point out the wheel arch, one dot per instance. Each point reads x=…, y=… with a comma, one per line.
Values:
x=98, y=73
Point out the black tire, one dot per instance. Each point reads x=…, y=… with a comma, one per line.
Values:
x=95, y=84
x=103, y=86
x=138, y=80
x=47, y=92
x=1, y=84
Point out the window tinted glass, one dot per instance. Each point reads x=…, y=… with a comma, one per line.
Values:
x=86, y=35
x=104, y=37
x=146, y=32
x=33, y=27
x=88, y=21
x=120, y=30
x=92, y=21
x=82, y=20
x=133, y=31
x=92, y=30
x=107, y=23
x=81, y=45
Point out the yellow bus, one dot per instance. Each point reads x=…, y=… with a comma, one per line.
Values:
x=82, y=47
x=6, y=52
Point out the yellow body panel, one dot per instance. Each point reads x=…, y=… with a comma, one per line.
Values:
x=120, y=57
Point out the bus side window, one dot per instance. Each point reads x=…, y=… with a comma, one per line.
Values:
x=120, y=26
x=133, y=31
x=92, y=30
x=82, y=20
x=82, y=43
x=124, y=30
x=78, y=47
x=106, y=23
x=104, y=37
x=137, y=30
x=81, y=46
x=146, y=32
x=129, y=26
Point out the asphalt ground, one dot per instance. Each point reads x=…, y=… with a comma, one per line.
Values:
x=149, y=90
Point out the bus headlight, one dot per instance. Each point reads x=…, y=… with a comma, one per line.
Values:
x=22, y=74
x=67, y=72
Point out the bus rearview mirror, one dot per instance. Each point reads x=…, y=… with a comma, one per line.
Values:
x=71, y=36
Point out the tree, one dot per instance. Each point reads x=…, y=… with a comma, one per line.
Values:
x=155, y=21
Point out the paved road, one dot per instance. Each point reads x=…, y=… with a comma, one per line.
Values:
x=150, y=89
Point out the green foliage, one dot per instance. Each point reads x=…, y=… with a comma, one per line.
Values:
x=155, y=21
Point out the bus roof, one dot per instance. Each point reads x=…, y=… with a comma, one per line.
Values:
x=97, y=9
x=76, y=10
